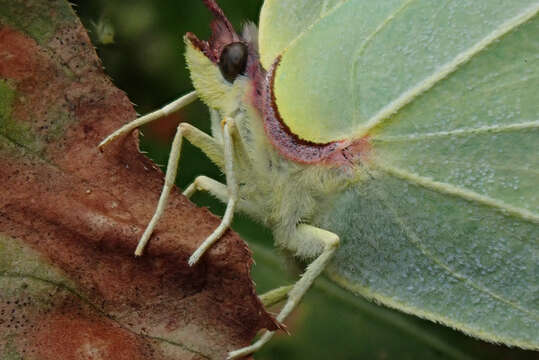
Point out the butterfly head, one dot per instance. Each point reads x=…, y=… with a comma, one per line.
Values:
x=224, y=66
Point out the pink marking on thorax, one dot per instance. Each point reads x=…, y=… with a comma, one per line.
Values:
x=289, y=145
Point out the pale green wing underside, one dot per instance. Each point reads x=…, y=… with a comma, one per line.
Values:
x=375, y=55
x=448, y=227
x=283, y=21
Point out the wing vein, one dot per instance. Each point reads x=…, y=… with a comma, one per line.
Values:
x=417, y=242
x=311, y=26
x=475, y=91
x=421, y=312
x=465, y=194
x=354, y=83
x=457, y=132
x=410, y=95
x=433, y=161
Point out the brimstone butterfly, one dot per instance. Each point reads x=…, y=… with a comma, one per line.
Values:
x=395, y=143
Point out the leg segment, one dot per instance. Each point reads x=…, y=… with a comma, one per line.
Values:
x=307, y=235
x=275, y=296
x=164, y=111
x=198, y=138
x=219, y=191
x=207, y=184
x=232, y=194
x=212, y=148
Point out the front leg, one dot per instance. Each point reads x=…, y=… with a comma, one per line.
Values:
x=212, y=147
x=306, y=236
x=155, y=115
x=197, y=138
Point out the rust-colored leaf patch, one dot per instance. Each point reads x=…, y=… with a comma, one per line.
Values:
x=70, y=218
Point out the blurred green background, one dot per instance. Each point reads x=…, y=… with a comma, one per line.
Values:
x=140, y=44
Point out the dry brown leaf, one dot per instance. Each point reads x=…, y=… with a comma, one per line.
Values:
x=70, y=217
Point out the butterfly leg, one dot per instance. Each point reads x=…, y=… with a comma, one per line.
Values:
x=275, y=296
x=204, y=183
x=232, y=188
x=164, y=111
x=197, y=138
x=219, y=191
x=307, y=236
x=210, y=146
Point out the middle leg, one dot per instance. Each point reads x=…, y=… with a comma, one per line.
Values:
x=306, y=237
x=232, y=188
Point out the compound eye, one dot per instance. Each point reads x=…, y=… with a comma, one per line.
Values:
x=233, y=61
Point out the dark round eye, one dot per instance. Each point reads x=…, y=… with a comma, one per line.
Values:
x=233, y=60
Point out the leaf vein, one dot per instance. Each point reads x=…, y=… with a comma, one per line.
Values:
x=60, y=285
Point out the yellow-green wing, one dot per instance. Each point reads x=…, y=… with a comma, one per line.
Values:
x=448, y=226
x=283, y=21
x=462, y=263
x=348, y=64
x=448, y=229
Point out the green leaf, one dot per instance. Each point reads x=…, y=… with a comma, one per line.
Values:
x=447, y=226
